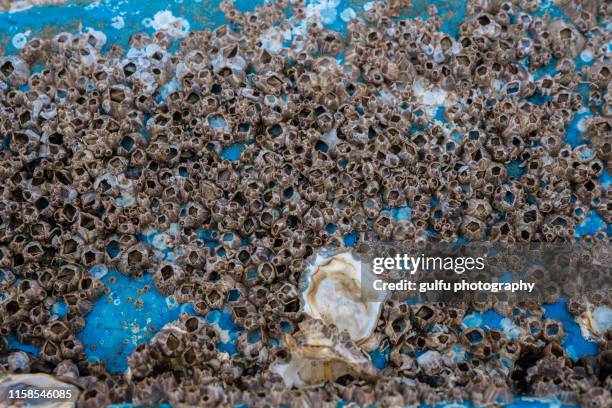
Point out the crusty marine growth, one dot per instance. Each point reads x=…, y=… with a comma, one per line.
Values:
x=467, y=130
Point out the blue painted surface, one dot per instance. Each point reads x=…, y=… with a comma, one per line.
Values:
x=452, y=13
x=519, y=402
x=515, y=170
x=14, y=344
x=439, y=116
x=591, y=224
x=232, y=152
x=59, y=309
x=526, y=402
x=113, y=329
x=351, y=239
x=492, y=320
x=223, y=319
x=574, y=344
x=401, y=213
x=574, y=136
x=105, y=15
x=116, y=325
x=380, y=358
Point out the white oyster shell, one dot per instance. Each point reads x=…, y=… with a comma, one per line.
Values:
x=36, y=381
x=332, y=292
x=595, y=322
x=320, y=353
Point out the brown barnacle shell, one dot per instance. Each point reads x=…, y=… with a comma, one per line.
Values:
x=398, y=323
x=134, y=260
x=473, y=229
x=71, y=348
x=29, y=292
x=169, y=343
x=14, y=70
x=66, y=369
x=167, y=277
x=140, y=362
x=39, y=314
x=552, y=330
x=50, y=352
x=56, y=331
x=98, y=395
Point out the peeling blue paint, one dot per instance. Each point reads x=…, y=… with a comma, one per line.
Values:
x=351, y=239
x=591, y=224
x=14, y=344
x=232, y=152
x=574, y=344
x=116, y=325
x=401, y=213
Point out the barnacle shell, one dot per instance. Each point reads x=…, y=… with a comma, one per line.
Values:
x=319, y=353
x=332, y=292
x=35, y=381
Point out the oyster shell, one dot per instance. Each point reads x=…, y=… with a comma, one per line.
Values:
x=332, y=292
x=36, y=382
x=320, y=353
x=595, y=322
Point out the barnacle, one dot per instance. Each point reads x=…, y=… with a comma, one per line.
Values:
x=228, y=165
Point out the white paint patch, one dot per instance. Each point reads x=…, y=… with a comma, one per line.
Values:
x=168, y=88
x=92, y=5
x=325, y=10
x=161, y=241
x=272, y=40
x=175, y=26
x=429, y=358
x=20, y=39
x=586, y=56
x=174, y=229
x=582, y=125
x=331, y=138
x=348, y=14
x=19, y=5
x=511, y=329
x=98, y=271
x=602, y=319
x=430, y=97
x=170, y=301
x=125, y=200
x=117, y=22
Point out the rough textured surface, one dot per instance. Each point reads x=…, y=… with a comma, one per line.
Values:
x=217, y=162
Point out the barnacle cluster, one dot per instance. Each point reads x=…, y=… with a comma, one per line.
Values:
x=120, y=158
